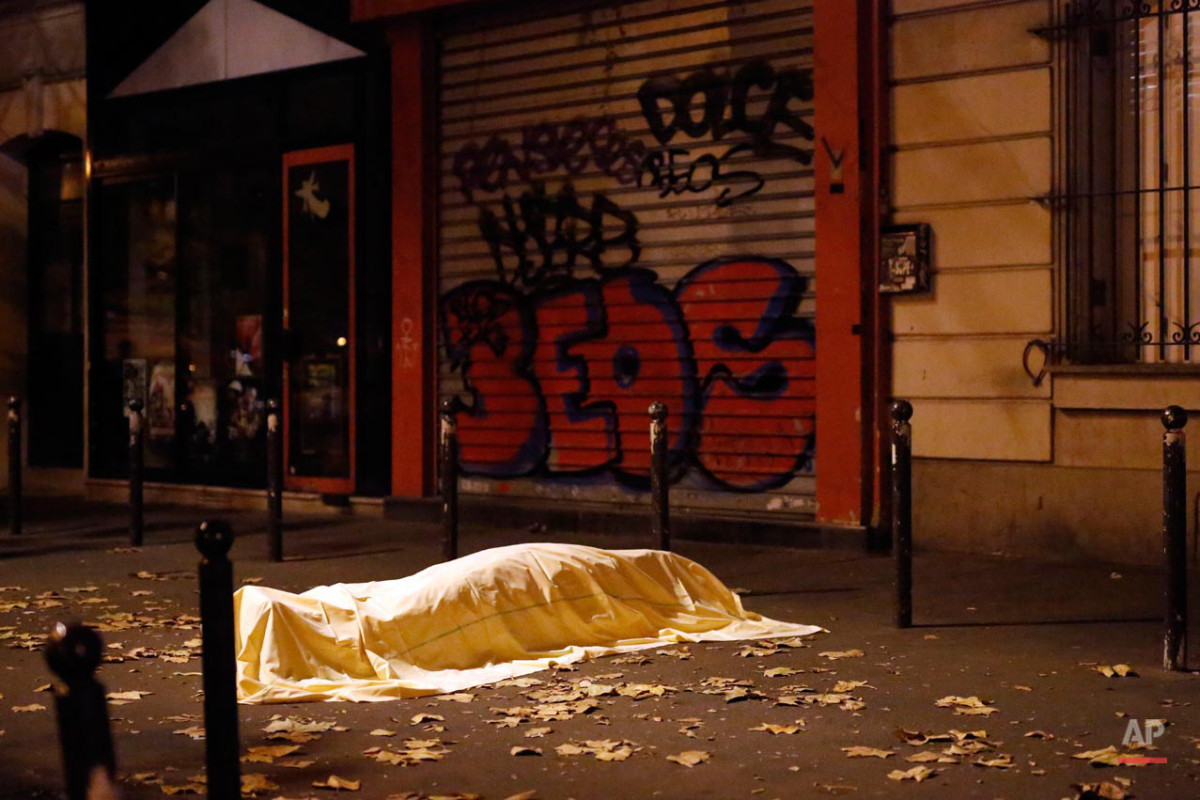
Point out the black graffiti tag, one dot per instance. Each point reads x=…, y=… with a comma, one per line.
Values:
x=666, y=102
x=539, y=237
x=661, y=170
x=548, y=147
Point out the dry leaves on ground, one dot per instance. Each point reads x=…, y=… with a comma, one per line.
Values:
x=267, y=754
x=968, y=706
x=1117, y=671
x=524, y=750
x=1101, y=791
x=338, y=784
x=858, y=751
x=1105, y=757
x=414, y=751
x=602, y=749
x=690, y=758
x=778, y=729
x=254, y=783
x=834, y=655
x=917, y=774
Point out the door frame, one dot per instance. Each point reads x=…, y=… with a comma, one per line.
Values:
x=321, y=155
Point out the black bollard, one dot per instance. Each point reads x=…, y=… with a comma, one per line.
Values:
x=660, y=484
x=137, y=461
x=213, y=540
x=274, y=481
x=902, y=547
x=1175, y=539
x=73, y=654
x=15, y=501
x=449, y=457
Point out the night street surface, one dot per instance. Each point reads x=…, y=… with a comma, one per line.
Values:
x=758, y=720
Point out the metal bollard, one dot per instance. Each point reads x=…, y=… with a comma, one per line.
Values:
x=1175, y=539
x=449, y=458
x=137, y=462
x=73, y=654
x=274, y=481
x=901, y=412
x=213, y=540
x=660, y=483
x=16, y=508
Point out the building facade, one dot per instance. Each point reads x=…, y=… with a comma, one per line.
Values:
x=771, y=216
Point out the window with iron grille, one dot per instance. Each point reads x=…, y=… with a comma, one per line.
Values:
x=1128, y=167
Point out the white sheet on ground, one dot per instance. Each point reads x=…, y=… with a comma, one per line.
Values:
x=485, y=617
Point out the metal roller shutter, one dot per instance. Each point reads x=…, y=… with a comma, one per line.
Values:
x=626, y=215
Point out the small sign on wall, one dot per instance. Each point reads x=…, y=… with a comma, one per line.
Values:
x=904, y=258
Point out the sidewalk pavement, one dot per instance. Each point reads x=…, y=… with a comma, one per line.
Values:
x=1024, y=638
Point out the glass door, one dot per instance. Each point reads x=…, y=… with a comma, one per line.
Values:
x=318, y=319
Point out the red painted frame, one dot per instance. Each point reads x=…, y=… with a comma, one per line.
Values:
x=321, y=155
x=414, y=257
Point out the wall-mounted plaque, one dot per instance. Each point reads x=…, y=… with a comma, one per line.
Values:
x=904, y=258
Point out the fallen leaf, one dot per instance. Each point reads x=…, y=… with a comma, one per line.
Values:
x=602, y=749
x=537, y=733
x=1099, y=791
x=841, y=687
x=970, y=706
x=1107, y=757
x=457, y=697
x=778, y=729
x=858, y=751
x=690, y=758
x=917, y=774
x=254, y=783
x=183, y=788
x=338, y=784
x=268, y=754
x=419, y=718
x=836, y=789
x=524, y=750
x=382, y=732
x=927, y=757
x=29, y=708
x=121, y=698
x=1117, y=671
x=834, y=655
x=1002, y=761
x=1039, y=735
x=781, y=672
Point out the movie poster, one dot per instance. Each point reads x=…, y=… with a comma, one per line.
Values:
x=160, y=407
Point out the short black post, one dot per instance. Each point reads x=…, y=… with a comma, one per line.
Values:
x=73, y=654
x=213, y=540
x=137, y=461
x=1175, y=539
x=274, y=481
x=902, y=547
x=660, y=484
x=16, y=508
x=449, y=457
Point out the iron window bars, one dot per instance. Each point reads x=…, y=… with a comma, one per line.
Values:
x=1127, y=179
